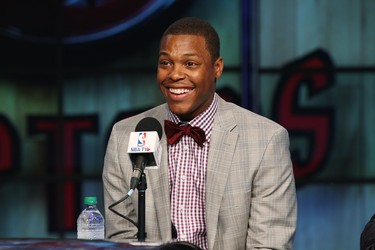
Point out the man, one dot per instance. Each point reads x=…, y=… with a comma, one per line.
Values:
x=233, y=189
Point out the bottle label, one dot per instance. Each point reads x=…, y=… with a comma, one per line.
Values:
x=91, y=234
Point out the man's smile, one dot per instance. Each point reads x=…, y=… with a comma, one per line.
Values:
x=179, y=91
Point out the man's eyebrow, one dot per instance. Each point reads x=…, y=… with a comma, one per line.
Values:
x=162, y=53
x=191, y=54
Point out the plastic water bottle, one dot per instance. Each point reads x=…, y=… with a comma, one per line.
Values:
x=90, y=223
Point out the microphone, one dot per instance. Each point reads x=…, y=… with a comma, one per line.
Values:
x=144, y=148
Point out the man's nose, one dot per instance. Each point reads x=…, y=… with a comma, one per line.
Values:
x=177, y=72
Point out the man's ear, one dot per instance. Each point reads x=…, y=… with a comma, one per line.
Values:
x=219, y=66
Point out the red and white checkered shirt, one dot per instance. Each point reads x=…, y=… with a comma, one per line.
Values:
x=187, y=164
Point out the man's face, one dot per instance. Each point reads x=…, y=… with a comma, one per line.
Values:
x=186, y=74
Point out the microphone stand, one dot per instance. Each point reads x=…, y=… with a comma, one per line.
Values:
x=142, y=186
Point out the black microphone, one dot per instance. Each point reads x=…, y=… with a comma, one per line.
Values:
x=144, y=147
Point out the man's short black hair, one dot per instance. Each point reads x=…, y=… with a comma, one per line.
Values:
x=199, y=27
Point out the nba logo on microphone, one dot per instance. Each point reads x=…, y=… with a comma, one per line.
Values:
x=147, y=143
x=141, y=139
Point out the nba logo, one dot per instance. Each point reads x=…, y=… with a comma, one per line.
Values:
x=141, y=139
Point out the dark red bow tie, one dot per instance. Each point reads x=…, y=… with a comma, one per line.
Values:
x=174, y=132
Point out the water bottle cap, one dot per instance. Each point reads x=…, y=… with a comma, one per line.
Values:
x=90, y=200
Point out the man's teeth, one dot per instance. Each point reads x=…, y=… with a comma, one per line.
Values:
x=179, y=91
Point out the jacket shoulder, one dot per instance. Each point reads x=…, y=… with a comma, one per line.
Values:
x=242, y=117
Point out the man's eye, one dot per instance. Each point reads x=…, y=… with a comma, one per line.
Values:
x=191, y=64
x=164, y=63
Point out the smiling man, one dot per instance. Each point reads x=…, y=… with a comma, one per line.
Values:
x=187, y=73
x=225, y=179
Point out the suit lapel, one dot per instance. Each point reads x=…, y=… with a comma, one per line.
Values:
x=158, y=183
x=222, y=146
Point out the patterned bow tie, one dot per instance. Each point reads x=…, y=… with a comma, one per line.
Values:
x=174, y=132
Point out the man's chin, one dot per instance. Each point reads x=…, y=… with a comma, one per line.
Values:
x=182, y=113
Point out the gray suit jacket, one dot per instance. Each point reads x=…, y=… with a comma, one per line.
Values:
x=250, y=189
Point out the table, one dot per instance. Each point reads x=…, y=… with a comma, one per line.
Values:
x=60, y=244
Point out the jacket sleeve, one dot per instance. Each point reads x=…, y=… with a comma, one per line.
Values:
x=273, y=214
x=115, y=187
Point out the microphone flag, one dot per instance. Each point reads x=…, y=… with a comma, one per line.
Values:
x=146, y=143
